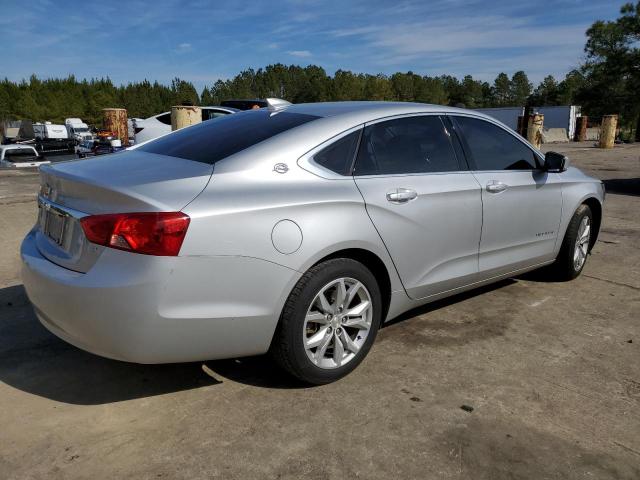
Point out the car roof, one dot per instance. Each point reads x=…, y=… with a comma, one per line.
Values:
x=331, y=120
x=336, y=117
x=369, y=110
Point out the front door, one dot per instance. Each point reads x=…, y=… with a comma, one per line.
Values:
x=422, y=200
x=521, y=203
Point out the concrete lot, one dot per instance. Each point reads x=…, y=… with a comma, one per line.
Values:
x=550, y=369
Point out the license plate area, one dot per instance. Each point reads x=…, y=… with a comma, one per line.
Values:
x=53, y=223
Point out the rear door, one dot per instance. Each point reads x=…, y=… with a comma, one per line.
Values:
x=521, y=203
x=422, y=200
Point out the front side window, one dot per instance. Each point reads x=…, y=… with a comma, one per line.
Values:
x=209, y=142
x=492, y=148
x=338, y=157
x=419, y=144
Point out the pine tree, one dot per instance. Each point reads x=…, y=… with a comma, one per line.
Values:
x=501, y=91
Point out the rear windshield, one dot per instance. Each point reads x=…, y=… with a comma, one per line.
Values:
x=25, y=155
x=214, y=140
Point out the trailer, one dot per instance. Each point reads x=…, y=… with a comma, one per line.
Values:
x=507, y=115
x=9, y=131
x=48, y=130
x=563, y=116
x=46, y=137
x=555, y=117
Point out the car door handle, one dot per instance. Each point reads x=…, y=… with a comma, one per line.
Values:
x=402, y=195
x=496, y=187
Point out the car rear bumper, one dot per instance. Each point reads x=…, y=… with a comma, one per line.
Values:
x=147, y=309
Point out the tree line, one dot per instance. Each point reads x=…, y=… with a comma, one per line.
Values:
x=608, y=82
x=56, y=99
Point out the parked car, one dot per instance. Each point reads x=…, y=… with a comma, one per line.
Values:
x=102, y=146
x=20, y=156
x=296, y=231
x=158, y=125
x=255, y=103
x=85, y=148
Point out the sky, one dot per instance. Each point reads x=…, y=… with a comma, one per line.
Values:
x=203, y=41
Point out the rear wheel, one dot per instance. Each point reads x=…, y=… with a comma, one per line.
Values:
x=575, y=246
x=329, y=322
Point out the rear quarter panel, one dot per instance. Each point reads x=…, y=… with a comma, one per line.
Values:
x=237, y=212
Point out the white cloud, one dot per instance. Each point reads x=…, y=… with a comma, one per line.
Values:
x=299, y=53
x=481, y=45
x=183, y=47
x=486, y=32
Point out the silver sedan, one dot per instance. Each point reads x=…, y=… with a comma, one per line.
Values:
x=296, y=230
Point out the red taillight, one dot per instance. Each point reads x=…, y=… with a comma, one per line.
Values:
x=159, y=233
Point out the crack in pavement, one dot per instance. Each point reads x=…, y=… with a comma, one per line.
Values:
x=621, y=284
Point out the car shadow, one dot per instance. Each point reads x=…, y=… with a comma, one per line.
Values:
x=35, y=361
x=261, y=371
x=258, y=371
x=445, y=302
x=623, y=186
x=540, y=275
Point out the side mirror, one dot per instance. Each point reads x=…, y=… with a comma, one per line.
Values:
x=555, y=162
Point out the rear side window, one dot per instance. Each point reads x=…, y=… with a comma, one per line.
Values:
x=492, y=148
x=338, y=157
x=209, y=142
x=165, y=118
x=419, y=144
x=20, y=155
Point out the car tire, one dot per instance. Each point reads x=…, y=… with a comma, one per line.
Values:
x=344, y=338
x=575, y=247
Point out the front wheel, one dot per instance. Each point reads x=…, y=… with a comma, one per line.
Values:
x=575, y=246
x=329, y=322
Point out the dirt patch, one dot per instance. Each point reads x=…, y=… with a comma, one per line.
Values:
x=494, y=450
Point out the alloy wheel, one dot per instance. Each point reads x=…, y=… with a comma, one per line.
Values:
x=337, y=323
x=582, y=243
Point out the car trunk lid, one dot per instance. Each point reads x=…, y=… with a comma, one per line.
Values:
x=130, y=181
